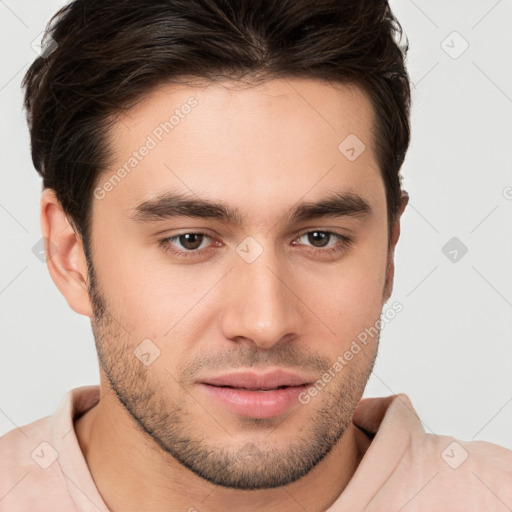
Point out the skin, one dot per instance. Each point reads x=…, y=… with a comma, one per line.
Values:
x=259, y=149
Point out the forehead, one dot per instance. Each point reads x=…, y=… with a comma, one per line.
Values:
x=250, y=145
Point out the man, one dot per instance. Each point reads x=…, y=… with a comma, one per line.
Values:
x=222, y=198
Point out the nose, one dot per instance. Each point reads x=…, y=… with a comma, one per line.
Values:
x=263, y=306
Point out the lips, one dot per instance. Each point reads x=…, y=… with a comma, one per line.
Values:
x=257, y=381
x=256, y=394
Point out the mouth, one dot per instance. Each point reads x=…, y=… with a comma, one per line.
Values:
x=256, y=394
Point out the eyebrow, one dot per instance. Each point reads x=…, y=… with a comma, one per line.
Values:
x=171, y=204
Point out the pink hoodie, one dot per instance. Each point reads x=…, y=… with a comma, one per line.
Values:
x=404, y=469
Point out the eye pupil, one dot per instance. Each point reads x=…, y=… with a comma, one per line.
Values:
x=191, y=241
x=318, y=236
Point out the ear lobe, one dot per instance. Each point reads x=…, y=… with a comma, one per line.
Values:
x=65, y=256
x=393, y=239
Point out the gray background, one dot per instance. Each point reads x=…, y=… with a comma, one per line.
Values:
x=449, y=349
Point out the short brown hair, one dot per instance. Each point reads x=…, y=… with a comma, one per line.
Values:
x=110, y=53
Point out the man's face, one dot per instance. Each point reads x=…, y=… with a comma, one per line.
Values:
x=196, y=334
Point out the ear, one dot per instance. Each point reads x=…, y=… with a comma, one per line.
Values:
x=65, y=256
x=393, y=239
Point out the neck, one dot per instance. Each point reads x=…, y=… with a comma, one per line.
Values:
x=132, y=473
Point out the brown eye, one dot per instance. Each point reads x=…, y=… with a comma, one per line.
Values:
x=191, y=241
x=324, y=243
x=318, y=238
x=186, y=244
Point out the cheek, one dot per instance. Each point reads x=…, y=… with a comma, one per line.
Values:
x=349, y=297
x=152, y=298
x=137, y=295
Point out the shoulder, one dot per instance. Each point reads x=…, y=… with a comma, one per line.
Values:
x=19, y=445
x=442, y=471
x=425, y=471
x=468, y=460
x=32, y=458
x=27, y=465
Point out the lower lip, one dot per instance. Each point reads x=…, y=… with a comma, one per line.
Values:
x=256, y=404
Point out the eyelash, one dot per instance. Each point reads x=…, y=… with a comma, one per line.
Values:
x=165, y=243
